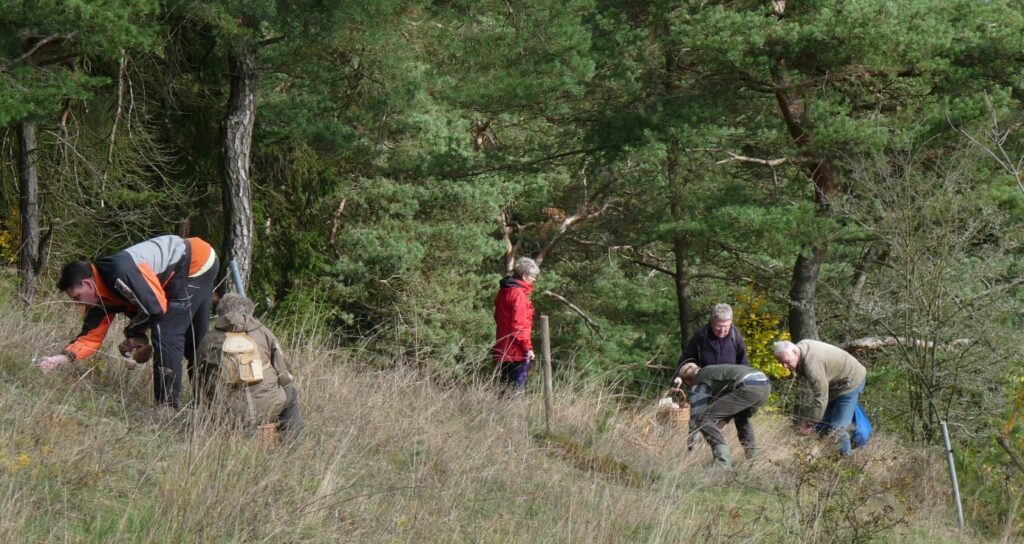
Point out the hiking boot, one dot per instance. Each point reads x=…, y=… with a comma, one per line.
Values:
x=723, y=458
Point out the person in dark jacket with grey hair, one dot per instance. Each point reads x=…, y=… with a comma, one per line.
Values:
x=717, y=343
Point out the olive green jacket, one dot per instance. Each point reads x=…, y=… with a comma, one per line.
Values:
x=268, y=398
x=722, y=379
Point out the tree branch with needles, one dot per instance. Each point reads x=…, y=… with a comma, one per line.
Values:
x=584, y=213
x=772, y=164
x=39, y=45
x=994, y=145
x=587, y=319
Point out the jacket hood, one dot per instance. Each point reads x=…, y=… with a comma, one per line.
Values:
x=237, y=323
x=510, y=282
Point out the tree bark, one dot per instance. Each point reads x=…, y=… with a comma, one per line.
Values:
x=803, y=288
x=860, y=272
x=508, y=259
x=586, y=212
x=677, y=188
x=684, y=301
x=236, y=147
x=30, y=252
x=680, y=247
x=870, y=343
x=1007, y=446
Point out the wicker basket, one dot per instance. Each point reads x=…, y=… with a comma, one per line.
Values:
x=679, y=417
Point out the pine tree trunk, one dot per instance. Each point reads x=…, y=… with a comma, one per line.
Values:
x=680, y=243
x=29, y=254
x=236, y=146
x=804, y=286
x=684, y=302
x=802, y=322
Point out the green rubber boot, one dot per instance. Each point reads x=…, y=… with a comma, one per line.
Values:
x=723, y=458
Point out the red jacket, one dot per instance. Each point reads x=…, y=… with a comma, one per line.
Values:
x=513, y=315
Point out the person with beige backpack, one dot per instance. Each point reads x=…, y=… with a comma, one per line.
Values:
x=244, y=375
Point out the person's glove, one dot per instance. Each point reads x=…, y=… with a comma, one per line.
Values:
x=143, y=354
x=51, y=363
x=138, y=348
x=128, y=346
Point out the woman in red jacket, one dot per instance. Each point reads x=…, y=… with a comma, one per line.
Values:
x=513, y=315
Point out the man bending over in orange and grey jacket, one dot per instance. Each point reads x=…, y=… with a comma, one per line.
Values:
x=164, y=286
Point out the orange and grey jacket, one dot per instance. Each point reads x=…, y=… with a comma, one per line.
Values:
x=139, y=281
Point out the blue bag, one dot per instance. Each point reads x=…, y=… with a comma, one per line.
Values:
x=862, y=428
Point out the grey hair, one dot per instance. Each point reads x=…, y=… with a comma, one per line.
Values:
x=524, y=266
x=721, y=312
x=784, y=346
x=234, y=303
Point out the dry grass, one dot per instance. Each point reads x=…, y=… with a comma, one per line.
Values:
x=390, y=456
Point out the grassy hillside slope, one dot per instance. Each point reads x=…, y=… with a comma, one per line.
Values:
x=390, y=456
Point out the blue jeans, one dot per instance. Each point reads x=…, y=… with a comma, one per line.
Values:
x=838, y=418
x=513, y=374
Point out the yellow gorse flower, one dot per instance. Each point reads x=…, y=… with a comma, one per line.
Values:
x=760, y=329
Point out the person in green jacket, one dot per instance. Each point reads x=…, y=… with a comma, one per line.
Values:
x=722, y=393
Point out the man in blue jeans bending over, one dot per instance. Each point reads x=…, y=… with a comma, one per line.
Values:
x=836, y=380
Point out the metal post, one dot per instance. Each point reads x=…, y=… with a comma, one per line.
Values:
x=236, y=277
x=952, y=475
x=548, y=391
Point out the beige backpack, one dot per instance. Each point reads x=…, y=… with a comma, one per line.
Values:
x=240, y=363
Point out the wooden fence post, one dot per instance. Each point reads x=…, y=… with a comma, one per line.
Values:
x=548, y=390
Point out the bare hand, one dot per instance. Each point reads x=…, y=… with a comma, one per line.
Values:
x=51, y=363
x=530, y=355
x=677, y=384
x=806, y=429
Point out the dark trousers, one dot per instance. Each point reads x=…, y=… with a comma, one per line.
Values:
x=738, y=405
x=290, y=420
x=512, y=374
x=177, y=333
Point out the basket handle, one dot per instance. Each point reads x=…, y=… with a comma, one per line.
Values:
x=668, y=392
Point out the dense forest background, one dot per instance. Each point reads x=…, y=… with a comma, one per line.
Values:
x=848, y=170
